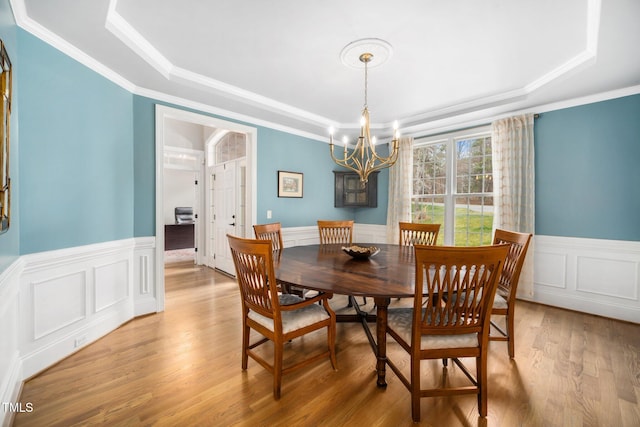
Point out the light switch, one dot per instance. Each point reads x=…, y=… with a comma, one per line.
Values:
x=269, y=214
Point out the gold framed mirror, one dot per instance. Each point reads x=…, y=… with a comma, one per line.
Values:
x=5, y=115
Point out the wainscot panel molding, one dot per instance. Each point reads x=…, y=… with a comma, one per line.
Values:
x=299, y=236
x=145, y=289
x=10, y=363
x=362, y=233
x=71, y=297
x=589, y=275
x=369, y=233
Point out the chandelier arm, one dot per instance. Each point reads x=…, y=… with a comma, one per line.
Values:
x=392, y=155
x=345, y=162
x=378, y=167
x=355, y=169
x=346, y=158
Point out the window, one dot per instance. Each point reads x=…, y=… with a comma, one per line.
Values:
x=232, y=146
x=453, y=186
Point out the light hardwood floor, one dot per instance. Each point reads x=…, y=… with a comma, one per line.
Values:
x=182, y=368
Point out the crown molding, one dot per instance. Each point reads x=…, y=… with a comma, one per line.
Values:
x=31, y=26
x=467, y=113
x=226, y=114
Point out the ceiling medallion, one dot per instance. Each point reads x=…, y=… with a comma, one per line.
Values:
x=378, y=48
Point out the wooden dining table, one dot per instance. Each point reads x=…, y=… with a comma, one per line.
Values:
x=387, y=275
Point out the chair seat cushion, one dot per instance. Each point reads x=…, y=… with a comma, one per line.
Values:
x=295, y=319
x=401, y=319
x=499, y=302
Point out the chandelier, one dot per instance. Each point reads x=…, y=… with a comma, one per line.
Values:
x=364, y=159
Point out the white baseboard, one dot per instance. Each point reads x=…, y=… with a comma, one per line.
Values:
x=74, y=339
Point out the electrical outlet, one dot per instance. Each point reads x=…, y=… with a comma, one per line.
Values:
x=80, y=341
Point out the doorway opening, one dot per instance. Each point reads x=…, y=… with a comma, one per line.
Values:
x=206, y=165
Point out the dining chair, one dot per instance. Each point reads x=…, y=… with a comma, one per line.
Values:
x=505, y=299
x=278, y=317
x=412, y=233
x=272, y=231
x=335, y=232
x=440, y=326
x=332, y=232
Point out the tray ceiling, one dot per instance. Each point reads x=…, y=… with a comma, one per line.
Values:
x=279, y=62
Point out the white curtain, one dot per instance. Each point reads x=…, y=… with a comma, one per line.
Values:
x=400, y=189
x=514, y=190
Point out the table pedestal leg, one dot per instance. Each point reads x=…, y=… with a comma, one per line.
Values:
x=381, y=331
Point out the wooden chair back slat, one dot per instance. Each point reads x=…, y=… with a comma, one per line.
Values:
x=412, y=233
x=519, y=243
x=332, y=232
x=455, y=287
x=253, y=260
x=272, y=231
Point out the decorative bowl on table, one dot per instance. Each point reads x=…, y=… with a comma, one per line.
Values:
x=360, y=252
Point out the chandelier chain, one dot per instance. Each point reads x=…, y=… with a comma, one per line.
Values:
x=366, y=81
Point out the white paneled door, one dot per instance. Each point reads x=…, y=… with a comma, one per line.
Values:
x=225, y=214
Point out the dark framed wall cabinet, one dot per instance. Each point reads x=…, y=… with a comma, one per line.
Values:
x=350, y=192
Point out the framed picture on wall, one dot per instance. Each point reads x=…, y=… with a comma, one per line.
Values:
x=5, y=119
x=289, y=184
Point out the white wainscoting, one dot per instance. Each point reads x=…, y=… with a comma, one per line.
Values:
x=594, y=276
x=145, y=290
x=54, y=303
x=71, y=297
x=589, y=275
x=10, y=363
x=362, y=233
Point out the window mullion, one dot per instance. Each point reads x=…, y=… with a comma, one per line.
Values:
x=449, y=210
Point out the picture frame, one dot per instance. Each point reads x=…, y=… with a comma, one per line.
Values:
x=290, y=184
x=5, y=120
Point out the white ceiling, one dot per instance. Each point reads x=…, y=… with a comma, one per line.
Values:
x=278, y=62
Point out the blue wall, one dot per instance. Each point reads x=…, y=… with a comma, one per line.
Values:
x=144, y=157
x=277, y=150
x=76, y=152
x=83, y=162
x=281, y=151
x=588, y=171
x=10, y=240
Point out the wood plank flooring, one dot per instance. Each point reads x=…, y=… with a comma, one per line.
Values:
x=182, y=367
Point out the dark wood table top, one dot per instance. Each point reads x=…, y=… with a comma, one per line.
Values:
x=388, y=274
